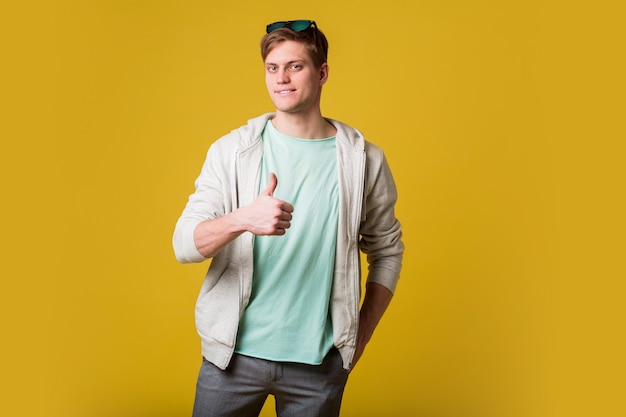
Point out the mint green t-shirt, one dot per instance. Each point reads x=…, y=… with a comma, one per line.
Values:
x=288, y=317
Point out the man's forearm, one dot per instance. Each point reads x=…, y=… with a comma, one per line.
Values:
x=266, y=216
x=377, y=299
x=211, y=236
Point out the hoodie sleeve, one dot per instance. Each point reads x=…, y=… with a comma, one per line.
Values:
x=216, y=187
x=206, y=203
x=381, y=232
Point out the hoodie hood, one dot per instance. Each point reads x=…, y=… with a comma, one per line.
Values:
x=250, y=133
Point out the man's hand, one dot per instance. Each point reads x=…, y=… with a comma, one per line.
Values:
x=266, y=215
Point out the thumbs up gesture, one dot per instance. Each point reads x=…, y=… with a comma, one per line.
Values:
x=267, y=215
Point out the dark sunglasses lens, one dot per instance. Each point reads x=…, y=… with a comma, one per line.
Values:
x=299, y=25
x=276, y=25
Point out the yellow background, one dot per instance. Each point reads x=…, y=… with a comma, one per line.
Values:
x=503, y=122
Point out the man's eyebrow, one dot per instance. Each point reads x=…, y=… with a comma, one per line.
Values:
x=296, y=61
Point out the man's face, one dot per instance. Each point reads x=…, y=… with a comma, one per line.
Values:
x=293, y=82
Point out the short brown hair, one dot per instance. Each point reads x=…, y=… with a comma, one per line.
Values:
x=313, y=38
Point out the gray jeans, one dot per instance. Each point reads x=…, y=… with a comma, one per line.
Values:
x=300, y=390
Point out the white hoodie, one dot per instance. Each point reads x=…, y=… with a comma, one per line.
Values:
x=230, y=179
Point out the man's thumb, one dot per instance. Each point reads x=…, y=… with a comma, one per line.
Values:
x=269, y=190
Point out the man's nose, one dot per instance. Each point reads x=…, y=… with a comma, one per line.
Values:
x=282, y=76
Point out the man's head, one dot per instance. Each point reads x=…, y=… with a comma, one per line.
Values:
x=304, y=31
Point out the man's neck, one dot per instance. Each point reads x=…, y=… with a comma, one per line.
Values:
x=312, y=126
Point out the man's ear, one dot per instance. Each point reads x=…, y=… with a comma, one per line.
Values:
x=323, y=73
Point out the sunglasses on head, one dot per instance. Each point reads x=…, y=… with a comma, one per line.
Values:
x=295, y=25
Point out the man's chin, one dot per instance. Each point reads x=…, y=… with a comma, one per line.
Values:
x=288, y=110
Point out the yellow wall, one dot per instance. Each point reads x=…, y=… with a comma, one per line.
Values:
x=503, y=124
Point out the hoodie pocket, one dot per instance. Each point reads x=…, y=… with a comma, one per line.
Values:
x=217, y=310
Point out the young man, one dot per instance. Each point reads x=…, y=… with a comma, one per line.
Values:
x=282, y=206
